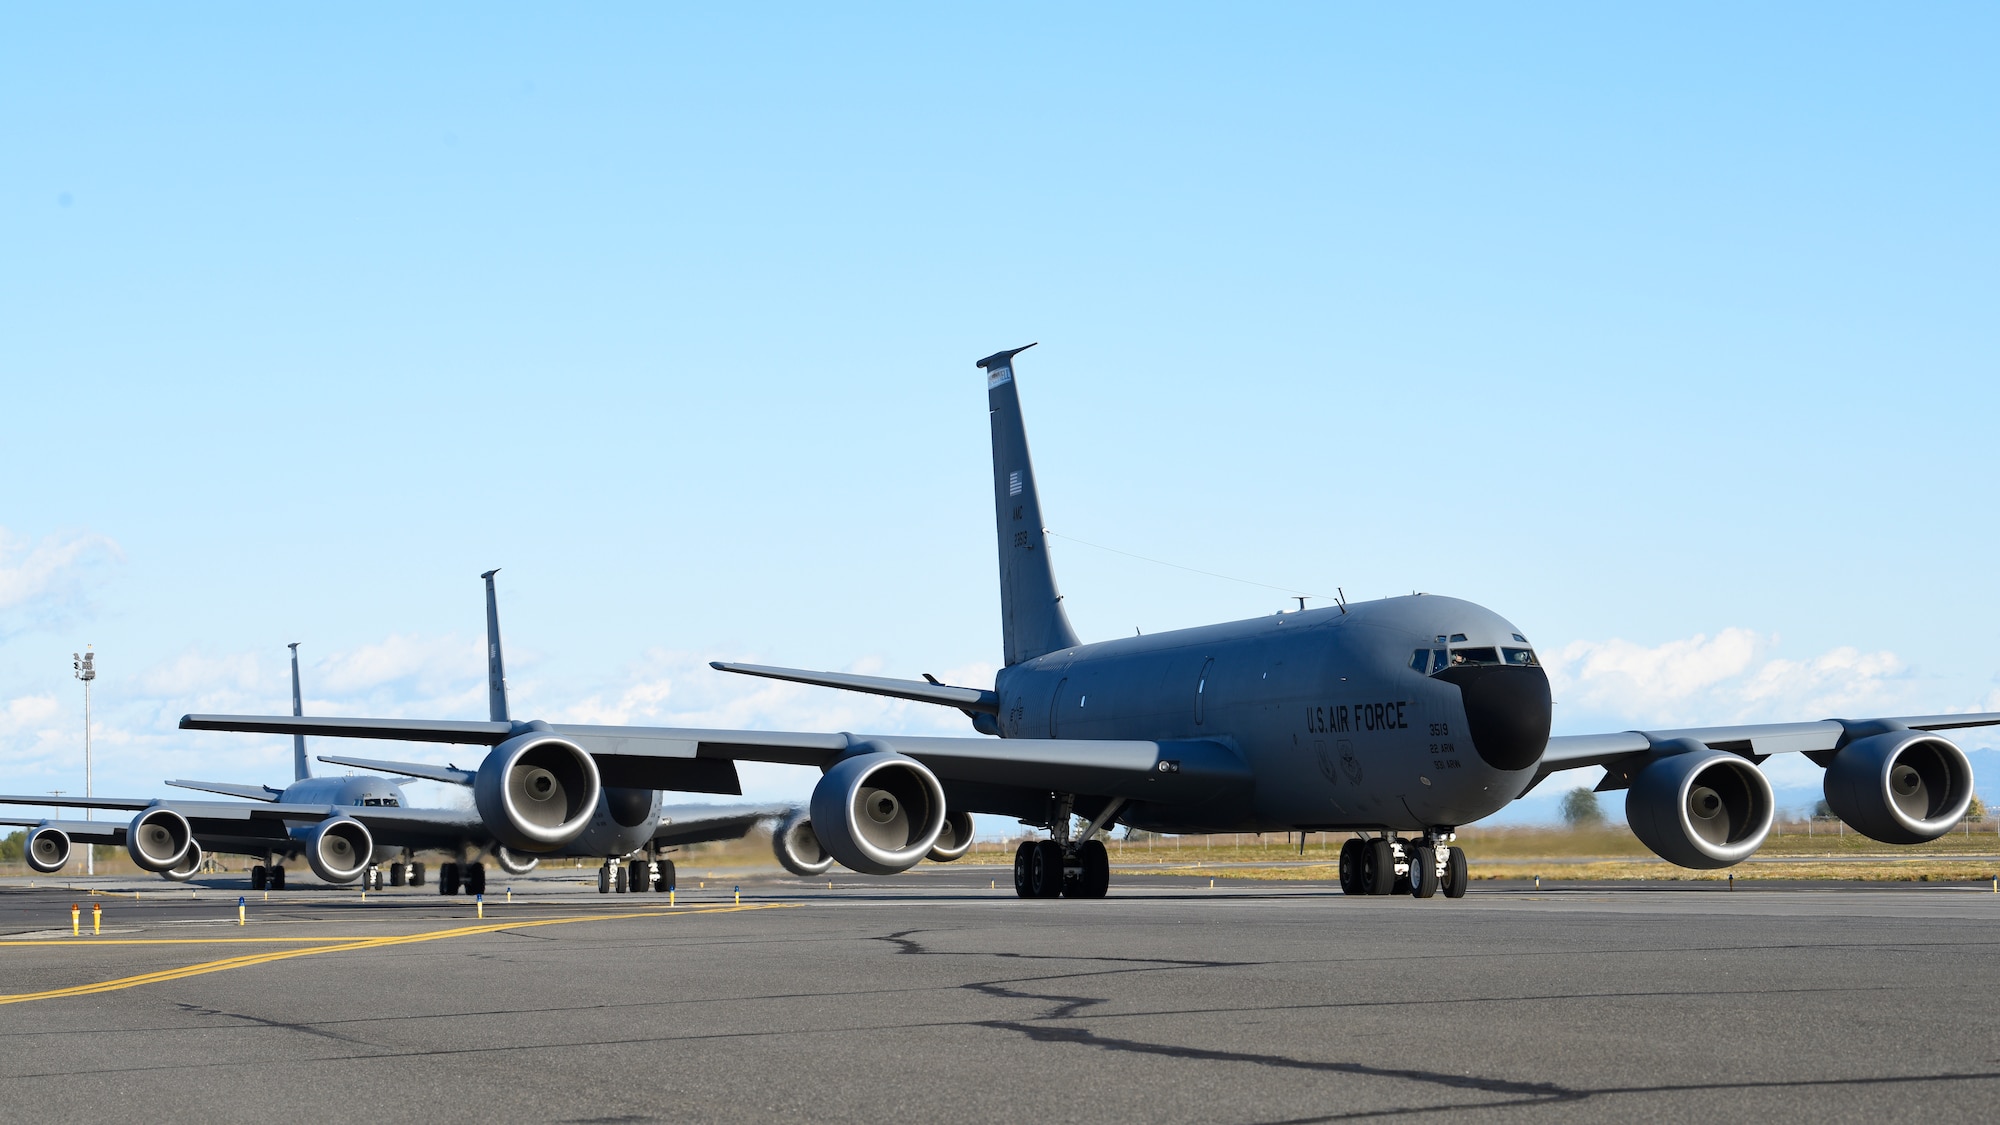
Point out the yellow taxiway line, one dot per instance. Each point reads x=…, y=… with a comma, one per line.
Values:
x=338, y=945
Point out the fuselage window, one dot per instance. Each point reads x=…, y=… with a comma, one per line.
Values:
x=1467, y=656
x=1525, y=657
x=1421, y=660
x=1458, y=636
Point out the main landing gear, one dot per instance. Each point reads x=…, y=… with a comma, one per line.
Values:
x=1387, y=865
x=456, y=877
x=1061, y=867
x=637, y=877
x=271, y=878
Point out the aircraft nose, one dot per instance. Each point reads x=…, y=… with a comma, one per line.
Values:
x=1508, y=709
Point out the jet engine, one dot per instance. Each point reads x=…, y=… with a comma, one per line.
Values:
x=1700, y=808
x=797, y=846
x=159, y=839
x=1899, y=786
x=514, y=864
x=47, y=850
x=878, y=812
x=955, y=840
x=188, y=868
x=338, y=849
x=536, y=792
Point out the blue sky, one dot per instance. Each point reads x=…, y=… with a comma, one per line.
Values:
x=1666, y=333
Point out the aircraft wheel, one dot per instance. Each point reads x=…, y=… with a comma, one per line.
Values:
x=260, y=877
x=1024, y=859
x=1379, y=870
x=604, y=878
x=621, y=876
x=397, y=876
x=1402, y=886
x=641, y=879
x=1045, y=870
x=666, y=882
x=1423, y=872
x=447, y=878
x=416, y=874
x=1351, y=863
x=1455, y=876
x=1095, y=879
x=277, y=878
x=474, y=877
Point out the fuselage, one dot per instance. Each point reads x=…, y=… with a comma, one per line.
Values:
x=1405, y=713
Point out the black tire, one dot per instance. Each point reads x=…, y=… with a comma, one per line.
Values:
x=447, y=878
x=1379, y=870
x=1352, y=861
x=1455, y=877
x=260, y=877
x=474, y=877
x=1045, y=870
x=397, y=875
x=277, y=878
x=666, y=882
x=416, y=874
x=641, y=880
x=1024, y=858
x=604, y=878
x=621, y=882
x=1094, y=881
x=1423, y=872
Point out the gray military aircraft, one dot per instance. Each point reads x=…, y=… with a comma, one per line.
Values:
x=340, y=823
x=1397, y=720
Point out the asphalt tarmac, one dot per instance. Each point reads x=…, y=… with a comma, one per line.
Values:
x=937, y=997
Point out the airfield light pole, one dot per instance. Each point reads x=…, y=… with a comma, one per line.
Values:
x=86, y=670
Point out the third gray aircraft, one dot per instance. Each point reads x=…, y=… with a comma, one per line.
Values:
x=1395, y=720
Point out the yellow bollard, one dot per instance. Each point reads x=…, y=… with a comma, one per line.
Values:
x=701, y=886
x=1538, y=882
x=96, y=918
x=670, y=896
x=739, y=896
x=267, y=896
x=510, y=894
x=239, y=910
x=75, y=920
x=480, y=902
x=1211, y=884
x=1732, y=880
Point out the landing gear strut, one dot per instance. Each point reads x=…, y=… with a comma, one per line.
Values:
x=1061, y=867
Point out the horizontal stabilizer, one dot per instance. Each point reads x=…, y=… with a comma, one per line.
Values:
x=450, y=775
x=253, y=792
x=919, y=691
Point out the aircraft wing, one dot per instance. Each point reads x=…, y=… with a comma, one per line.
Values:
x=919, y=691
x=85, y=831
x=249, y=821
x=1755, y=741
x=672, y=757
x=695, y=824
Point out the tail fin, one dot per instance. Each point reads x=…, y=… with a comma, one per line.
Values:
x=496, y=672
x=1032, y=621
x=301, y=765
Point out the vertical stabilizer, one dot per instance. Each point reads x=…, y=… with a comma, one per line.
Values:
x=496, y=673
x=301, y=765
x=1032, y=621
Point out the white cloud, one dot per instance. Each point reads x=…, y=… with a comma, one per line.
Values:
x=1730, y=677
x=43, y=581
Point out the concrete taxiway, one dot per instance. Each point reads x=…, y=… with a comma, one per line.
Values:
x=936, y=995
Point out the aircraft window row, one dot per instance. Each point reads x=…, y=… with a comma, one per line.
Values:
x=1461, y=657
x=1428, y=661
x=385, y=802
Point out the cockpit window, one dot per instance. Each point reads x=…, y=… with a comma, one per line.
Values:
x=390, y=803
x=1458, y=636
x=1438, y=660
x=1461, y=657
x=371, y=800
x=1525, y=657
x=1420, y=661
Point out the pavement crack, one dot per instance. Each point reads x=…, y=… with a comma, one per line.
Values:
x=283, y=1025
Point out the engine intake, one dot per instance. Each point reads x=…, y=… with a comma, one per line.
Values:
x=1700, y=808
x=514, y=864
x=955, y=840
x=797, y=845
x=1900, y=786
x=536, y=792
x=878, y=813
x=338, y=849
x=188, y=869
x=47, y=850
x=159, y=839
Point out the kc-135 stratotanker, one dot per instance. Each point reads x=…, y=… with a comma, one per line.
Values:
x=1397, y=720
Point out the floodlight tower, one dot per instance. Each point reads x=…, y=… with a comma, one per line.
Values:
x=86, y=670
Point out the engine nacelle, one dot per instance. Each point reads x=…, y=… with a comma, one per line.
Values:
x=797, y=846
x=878, y=813
x=158, y=839
x=1900, y=786
x=536, y=792
x=955, y=840
x=188, y=869
x=1700, y=808
x=514, y=864
x=47, y=850
x=338, y=849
